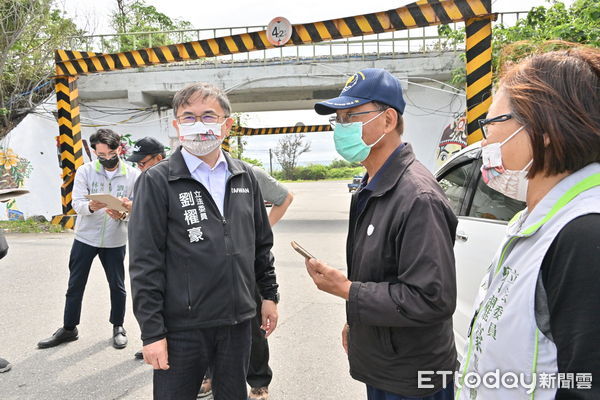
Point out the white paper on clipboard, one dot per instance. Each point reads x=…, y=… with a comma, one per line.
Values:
x=111, y=201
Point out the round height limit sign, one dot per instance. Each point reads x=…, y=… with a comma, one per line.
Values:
x=279, y=31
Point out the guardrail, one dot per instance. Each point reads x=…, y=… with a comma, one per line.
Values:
x=383, y=45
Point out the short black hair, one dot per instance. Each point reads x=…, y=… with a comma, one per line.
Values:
x=202, y=91
x=106, y=136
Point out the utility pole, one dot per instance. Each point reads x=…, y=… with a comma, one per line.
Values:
x=270, y=162
x=240, y=149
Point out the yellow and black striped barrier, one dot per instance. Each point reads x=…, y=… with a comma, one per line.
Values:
x=479, y=73
x=71, y=154
x=67, y=221
x=243, y=131
x=71, y=63
x=226, y=145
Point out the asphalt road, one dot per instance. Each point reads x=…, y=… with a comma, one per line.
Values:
x=307, y=359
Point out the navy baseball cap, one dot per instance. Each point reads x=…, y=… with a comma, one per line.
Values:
x=144, y=147
x=370, y=84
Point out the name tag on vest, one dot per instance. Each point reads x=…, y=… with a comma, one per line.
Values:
x=240, y=190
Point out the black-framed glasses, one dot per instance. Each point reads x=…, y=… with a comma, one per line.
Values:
x=346, y=120
x=141, y=164
x=190, y=119
x=483, y=123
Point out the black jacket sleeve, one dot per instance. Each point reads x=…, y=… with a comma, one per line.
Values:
x=3, y=244
x=264, y=268
x=571, y=278
x=426, y=290
x=147, y=263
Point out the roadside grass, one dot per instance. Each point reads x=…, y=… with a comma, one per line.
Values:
x=30, y=226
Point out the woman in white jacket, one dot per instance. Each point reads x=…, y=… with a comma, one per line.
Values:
x=536, y=326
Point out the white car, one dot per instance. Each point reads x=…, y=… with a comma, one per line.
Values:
x=483, y=214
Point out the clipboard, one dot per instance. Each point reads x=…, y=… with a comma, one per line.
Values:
x=111, y=201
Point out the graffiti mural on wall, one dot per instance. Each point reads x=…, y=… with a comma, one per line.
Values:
x=14, y=170
x=453, y=140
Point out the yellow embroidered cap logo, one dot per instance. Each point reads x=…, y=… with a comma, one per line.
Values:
x=353, y=80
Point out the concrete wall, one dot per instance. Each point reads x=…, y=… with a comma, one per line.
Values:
x=32, y=146
x=292, y=86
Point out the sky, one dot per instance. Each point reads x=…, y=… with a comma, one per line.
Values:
x=93, y=15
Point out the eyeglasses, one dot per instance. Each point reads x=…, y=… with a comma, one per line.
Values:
x=141, y=164
x=190, y=119
x=108, y=156
x=484, y=122
x=346, y=120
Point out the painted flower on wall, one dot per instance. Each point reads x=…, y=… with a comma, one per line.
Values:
x=13, y=169
x=8, y=159
x=13, y=172
x=126, y=144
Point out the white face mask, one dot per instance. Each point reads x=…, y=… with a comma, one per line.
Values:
x=510, y=183
x=199, y=138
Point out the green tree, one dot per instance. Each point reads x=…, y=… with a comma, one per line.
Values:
x=579, y=23
x=30, y=31
x=343, y=164
x=253, y=161
x=288, y=149
x=137, y=16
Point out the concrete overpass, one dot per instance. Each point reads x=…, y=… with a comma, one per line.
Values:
x=261, y=86
x=289, y=78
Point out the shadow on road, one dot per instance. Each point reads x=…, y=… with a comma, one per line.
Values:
x=52, y=374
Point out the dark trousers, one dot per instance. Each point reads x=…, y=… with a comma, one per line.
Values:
x=259, y=372
x=226, y=349
x=444, y=394
x=80, y=263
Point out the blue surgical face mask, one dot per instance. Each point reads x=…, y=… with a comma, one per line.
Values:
x=349, y=143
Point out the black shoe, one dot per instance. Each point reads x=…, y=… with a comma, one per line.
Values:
x=60, y=336
x=119, y=337
x=139, y=355
x=4, y=365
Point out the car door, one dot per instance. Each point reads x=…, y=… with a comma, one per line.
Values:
x=482, y=215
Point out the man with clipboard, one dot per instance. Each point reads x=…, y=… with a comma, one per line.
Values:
x=99, y=231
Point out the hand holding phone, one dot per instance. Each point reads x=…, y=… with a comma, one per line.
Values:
x=301, y=250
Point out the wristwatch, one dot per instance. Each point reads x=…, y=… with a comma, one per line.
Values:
x=273, y=297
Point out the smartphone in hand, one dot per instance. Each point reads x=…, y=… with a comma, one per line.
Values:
x=301, y=250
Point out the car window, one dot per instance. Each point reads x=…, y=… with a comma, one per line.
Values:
x=455, y=183
x=490, y=204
